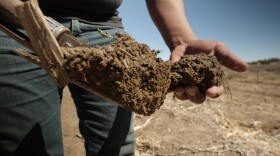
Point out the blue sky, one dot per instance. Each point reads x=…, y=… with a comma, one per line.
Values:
x=250, y=28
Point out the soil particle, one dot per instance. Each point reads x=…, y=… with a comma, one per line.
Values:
x=131, y=74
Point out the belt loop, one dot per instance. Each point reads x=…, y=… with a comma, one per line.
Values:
x=75, y=27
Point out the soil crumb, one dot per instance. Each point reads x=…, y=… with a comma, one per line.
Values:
x=130, y=73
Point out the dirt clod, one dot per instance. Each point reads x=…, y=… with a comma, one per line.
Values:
x=131, y=74
x=201, y=70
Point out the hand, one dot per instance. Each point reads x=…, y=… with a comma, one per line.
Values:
x=211, y=48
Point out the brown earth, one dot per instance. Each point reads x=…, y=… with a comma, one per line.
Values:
x=242, y=122
x=131, y=75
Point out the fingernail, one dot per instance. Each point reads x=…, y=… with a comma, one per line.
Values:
x=191, y=90
x=179, y=91
x=213, y=95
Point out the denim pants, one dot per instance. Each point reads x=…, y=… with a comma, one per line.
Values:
x=30, y=109
x=30, y=121
x=106, y=128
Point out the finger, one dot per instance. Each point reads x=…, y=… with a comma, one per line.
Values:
x=177, y=53
x=179, y=93
x=228, y=59
x=169, y=90
x=215, y=91
x=194, y=95
x=223, y=54
x=201, y=46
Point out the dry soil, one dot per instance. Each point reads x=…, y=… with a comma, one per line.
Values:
x=130, y=73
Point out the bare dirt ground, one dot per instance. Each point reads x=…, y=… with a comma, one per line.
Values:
x=243, y=122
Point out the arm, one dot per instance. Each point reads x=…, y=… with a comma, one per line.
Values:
x=169, y=17
x=7, y=10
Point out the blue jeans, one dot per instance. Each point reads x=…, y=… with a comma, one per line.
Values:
x=107, y=128
x=29, y=106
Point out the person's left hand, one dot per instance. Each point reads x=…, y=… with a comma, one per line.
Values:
x=212, y=48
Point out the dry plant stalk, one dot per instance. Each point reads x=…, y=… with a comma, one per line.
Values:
x=42, y=41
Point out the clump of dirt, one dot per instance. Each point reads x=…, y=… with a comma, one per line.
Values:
x=201, y=70
x=131, y=74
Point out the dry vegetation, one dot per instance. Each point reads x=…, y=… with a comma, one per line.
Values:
x=243, y=122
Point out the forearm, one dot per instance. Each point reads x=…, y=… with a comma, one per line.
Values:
x=7, y=10
x=169, y=17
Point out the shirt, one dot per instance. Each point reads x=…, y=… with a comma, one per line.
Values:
x=101, y=12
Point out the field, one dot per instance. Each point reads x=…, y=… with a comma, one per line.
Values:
x=245, y=121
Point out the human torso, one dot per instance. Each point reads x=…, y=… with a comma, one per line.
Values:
x=94, y=11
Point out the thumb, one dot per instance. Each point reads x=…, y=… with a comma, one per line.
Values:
x=177, y=53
